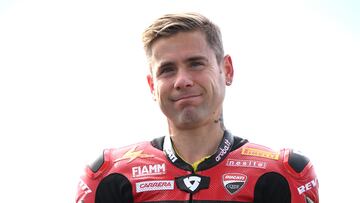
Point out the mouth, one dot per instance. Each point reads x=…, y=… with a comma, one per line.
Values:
x=185, y=97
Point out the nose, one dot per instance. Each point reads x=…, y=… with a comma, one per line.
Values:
x=183, y=80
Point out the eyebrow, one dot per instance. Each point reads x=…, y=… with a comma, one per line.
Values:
x=187, y=60
x=162, y=65
x=165, y=63
x=197, y=58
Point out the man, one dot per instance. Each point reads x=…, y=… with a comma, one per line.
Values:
x=199, y=161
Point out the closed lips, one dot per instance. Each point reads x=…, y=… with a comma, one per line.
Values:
x=185, y=97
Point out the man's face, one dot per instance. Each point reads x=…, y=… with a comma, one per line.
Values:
x=187, y=81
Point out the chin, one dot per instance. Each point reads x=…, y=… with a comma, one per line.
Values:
x=190, y=117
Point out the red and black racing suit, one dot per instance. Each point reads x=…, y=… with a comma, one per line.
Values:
x=238, y=172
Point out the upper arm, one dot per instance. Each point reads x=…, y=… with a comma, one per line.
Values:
x=272, y=188
x=90, y=179
x=302, y=177
x=297, y=183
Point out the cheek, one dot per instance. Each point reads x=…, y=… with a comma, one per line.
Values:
x=157, y=93
x=217, y=86
x=160, y=91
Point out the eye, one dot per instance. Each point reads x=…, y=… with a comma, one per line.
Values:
x=196, y=64
x=164, y=70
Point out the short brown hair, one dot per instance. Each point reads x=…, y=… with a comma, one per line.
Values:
x=171, y=24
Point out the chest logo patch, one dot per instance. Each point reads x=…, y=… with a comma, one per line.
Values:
x=233, y=182
x=260, y=153
x=246, y=163
x=148, y=170
x=132, y=154
x=192, y=183
x=154, y=185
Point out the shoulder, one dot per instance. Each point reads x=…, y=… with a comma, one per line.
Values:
x=287, y=169
x=296, y=163
x=292, y=161
x=301, y=176
x=112, y=157
x=106, y=171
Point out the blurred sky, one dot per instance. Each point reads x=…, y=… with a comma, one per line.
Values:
x=73, y=81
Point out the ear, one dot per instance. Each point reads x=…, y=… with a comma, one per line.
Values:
x=150, y=81
x=228, y=70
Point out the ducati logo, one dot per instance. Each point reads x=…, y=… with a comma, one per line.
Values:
x=192, y=183
x=233, y=182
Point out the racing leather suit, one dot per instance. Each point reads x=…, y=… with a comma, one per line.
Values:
x=238, y=172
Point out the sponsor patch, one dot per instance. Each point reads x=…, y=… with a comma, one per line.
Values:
x=148, y=170
x=224, y=150
x=171, y=155
x=169, y=150
x=192, y=183
x=132, y=155
x=260, y=153
x=246, y=163
x=233, y=182
x=154, y=185
x=308, y=186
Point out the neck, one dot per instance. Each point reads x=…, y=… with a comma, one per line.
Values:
x=195, y=144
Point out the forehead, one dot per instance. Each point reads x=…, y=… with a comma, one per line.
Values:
x=180, y=47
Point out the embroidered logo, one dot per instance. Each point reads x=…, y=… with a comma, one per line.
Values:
x=246, y=163
x=233, y=182
x=169, y=150
x=148, y=170
x=170, y=153
x=308, y=186
x=154, y=185
x=260, y=153
x=192, y=183
x=132, y=154
x=224, y=150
